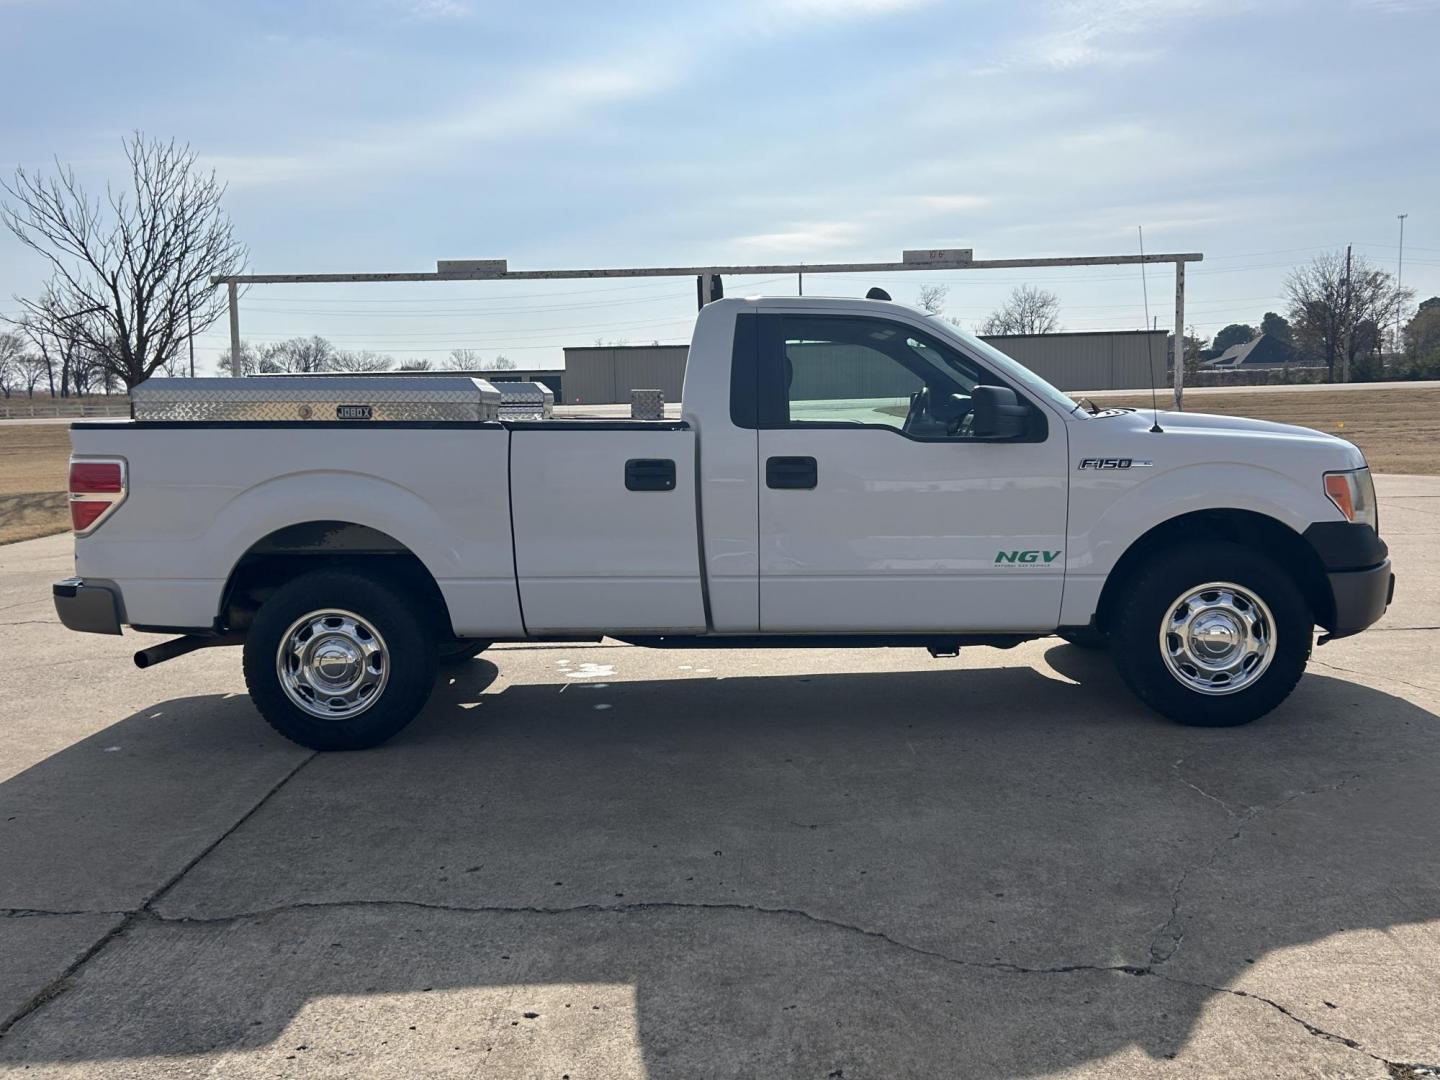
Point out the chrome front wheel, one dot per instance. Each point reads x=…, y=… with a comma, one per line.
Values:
x=332, y=664
x=1218, y=638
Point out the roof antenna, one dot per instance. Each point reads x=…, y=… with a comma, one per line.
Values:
x=1150, y=343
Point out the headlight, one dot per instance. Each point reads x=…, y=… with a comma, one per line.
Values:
x=1353, y=493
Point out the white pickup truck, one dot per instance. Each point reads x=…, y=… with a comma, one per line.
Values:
x=845, y=473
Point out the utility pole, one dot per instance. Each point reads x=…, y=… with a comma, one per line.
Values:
x=190, y=332
x=1349, y=332
x=800, y=281
x=1400, y=281
x=234, y=332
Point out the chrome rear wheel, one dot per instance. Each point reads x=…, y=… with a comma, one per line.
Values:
x=332, y=664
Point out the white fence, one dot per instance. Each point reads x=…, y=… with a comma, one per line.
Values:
x=26, y=408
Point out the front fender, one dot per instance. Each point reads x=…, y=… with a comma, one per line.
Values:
x=1110, y=511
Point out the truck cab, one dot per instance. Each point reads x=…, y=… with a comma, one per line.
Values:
x=844, y=472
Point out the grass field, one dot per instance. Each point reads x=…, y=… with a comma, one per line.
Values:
x=1398, y=429
x=33, y=462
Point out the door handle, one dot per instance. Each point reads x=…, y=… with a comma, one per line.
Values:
x=791, y=472
x=650, y=474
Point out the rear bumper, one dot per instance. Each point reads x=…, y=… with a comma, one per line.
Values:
x=91, y=607
x=1361, y=597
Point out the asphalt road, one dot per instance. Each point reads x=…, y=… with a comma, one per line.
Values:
x=608, y=862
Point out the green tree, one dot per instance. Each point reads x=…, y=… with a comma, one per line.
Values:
x=1278, y=327
x=1234, y=334
x=1422, y=340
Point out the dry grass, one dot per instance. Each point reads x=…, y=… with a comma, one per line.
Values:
x=33, y=462
x=1398, y=429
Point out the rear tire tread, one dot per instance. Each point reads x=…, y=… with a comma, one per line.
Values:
x=412, y=659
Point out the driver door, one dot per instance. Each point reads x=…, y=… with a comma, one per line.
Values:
x=878, y=508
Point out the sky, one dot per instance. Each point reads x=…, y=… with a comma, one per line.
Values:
x=382, y=135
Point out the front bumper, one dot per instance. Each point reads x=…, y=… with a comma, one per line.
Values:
x=1361, y=597
x=88, y=606
x=1357, y=565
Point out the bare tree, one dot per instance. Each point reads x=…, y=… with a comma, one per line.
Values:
x=500, y=363
x=364, y=361
x=932, y=298
x=302, y=356
x=464, y=360
x=250, y=357
x=299, y=355
x=416, y=365
x=130, y=272
x=1028, y=311
x=32, y=371
x=12, y=348
x=1335, y=319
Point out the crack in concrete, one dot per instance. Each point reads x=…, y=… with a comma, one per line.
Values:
x=44, y=913
x=57, y=985
x=1158, y=955
x=1175, y=769
x=1399, y=1070
x=145, y=913
x=1374, y=675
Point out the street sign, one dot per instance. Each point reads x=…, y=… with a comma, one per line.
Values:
x=471, y=266
x=938, y=255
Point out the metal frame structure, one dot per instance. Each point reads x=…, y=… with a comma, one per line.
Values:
x=708, y=280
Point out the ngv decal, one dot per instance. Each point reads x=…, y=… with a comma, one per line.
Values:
x=1044, y=558
x=1114, y=463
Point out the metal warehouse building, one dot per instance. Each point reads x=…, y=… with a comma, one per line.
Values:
x=605, y=375
x=1111, y=360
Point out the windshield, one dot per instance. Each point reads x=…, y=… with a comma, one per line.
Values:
x=1012, y=368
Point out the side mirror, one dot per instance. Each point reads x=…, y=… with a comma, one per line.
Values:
x=997, y=413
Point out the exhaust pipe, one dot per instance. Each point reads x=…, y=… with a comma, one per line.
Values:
x=169, y=650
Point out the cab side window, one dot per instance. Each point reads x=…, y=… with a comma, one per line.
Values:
x=844, y=370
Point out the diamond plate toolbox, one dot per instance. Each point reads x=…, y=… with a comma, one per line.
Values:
x=352, y=398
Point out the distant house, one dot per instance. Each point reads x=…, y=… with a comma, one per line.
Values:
x=1261, y=351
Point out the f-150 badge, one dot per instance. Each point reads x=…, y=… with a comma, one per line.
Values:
x=1114, y=463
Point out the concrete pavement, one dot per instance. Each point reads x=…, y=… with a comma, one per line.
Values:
x=603, y=861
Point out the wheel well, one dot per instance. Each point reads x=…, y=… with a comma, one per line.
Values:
x=331, y=545
x=1282, y=543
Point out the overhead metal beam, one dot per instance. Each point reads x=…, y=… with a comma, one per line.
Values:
x=912, y=260
x=693, y=271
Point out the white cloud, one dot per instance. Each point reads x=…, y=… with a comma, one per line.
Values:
x=1085, y=33
x=847, y=8
x=548, y=101
x=431, y=9
x=801, y=239
x=945, y=204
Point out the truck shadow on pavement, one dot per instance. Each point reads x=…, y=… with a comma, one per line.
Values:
x=995, y=872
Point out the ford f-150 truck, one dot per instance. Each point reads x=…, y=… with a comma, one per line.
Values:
x=844, y=473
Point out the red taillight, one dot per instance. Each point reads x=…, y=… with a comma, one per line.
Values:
x=84, y=514
x=96, y=488
x=96, y=478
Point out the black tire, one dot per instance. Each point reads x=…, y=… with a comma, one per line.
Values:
x=1086, y=637
x=408, y=658
x=459, y=650
x=1147, y=598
